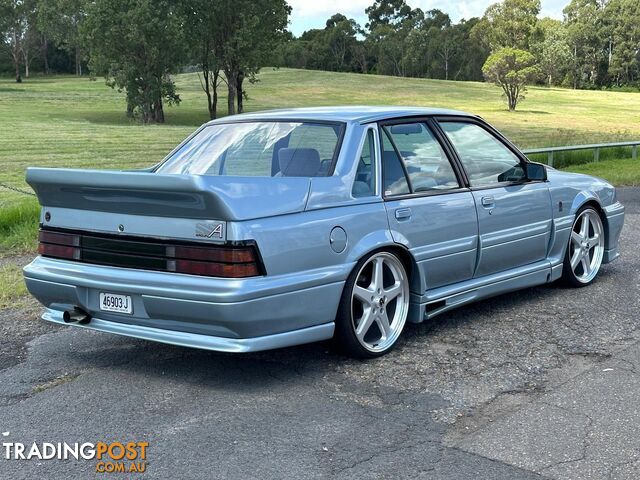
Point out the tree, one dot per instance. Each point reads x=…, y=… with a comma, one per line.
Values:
x=205, y=35
x=472, y=53
x=340, y=35
x=388, y=13
x=623, y=19
x=13, y=26
x=552, y=51
x=31, y=38
x=510, y=23
x=511, y=69
x=136, y=44
x=390, y=24
x=61, y=21
x=252, y=31
x=584, y=21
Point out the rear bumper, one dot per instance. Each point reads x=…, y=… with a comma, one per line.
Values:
x=615, y=220
x=218, y=314
x=205, y=342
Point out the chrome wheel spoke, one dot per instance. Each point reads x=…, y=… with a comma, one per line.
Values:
x=383, y=324
x=575, y=259
x=577, y=238
x=584, y=226
x=376, y=278
x=365, y=324
x=586, y=265
x=362, y=294
x=393, y=291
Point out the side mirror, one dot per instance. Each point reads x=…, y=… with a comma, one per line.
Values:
x=535, y=172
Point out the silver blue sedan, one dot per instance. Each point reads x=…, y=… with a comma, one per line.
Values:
x=279, y=228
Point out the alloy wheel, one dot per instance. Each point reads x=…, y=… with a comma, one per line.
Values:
x=380, y=302
x=586, y=246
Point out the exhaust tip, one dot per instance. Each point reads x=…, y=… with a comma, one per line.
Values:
x=77, y=315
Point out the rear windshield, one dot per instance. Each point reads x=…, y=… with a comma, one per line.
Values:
x=261, y=149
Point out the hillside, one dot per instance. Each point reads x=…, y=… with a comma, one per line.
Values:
x=71, y=122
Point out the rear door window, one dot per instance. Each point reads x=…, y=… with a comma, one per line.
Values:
x=425, y=161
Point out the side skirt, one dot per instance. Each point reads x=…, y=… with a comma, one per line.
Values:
x=447, y=298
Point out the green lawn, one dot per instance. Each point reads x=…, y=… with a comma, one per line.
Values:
x=619, y=172
x=70, y=122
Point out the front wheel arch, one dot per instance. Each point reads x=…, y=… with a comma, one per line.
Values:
x=598, y=208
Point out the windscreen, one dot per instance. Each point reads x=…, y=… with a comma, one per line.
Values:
x=263, y=149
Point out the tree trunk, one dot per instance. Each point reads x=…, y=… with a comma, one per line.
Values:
x=575, y=71
x=206, y=86
x=15, y=54
x=213, y=112
x=45, y=54
x=232, y=84
x=78, y=62
x=158, y=111
x=26, y=59
x=210, y=87
x=240, y=92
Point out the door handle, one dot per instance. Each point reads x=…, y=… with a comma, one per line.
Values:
x=488, y=201
x=403, y=214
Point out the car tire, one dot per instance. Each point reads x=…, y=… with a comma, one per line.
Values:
x=374, y=306
x=585, y=250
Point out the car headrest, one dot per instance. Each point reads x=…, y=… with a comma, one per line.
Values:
x=406, y=129
x=299, y=162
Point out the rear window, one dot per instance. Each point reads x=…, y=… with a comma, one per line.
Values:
x=262, y=149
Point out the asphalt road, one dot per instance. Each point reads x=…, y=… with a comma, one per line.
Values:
x=542, y=382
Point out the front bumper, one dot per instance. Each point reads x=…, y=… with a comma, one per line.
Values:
x=615, y=220
x=212, y=313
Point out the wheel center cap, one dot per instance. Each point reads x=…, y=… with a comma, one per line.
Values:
x=381, y=301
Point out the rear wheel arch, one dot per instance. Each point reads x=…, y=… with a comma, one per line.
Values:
x=405, y=256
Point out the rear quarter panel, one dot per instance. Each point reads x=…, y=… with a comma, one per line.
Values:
x=301, y=242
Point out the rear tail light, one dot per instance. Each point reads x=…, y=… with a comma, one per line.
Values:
x=211, y=260
x=216, y=254
x=236, y=262
x=214, y=269
x=59, y=245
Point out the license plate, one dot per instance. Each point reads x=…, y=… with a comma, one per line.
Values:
x=110, y=302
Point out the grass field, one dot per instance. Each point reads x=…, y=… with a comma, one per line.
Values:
x=70, y=122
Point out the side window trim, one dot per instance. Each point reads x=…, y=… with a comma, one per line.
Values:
x=432, y=125
x=376, y=163
x=491, y=131
x=399, y=155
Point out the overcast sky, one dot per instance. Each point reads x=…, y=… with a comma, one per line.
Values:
x=308, y=14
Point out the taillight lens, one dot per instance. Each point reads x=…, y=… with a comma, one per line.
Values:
x=215, y=269
x=237, y=262
x=59, y=245
x=216, y=254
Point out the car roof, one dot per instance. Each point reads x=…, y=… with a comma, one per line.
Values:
x=359, y=114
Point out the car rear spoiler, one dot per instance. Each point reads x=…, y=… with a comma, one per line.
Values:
x=168, y=195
